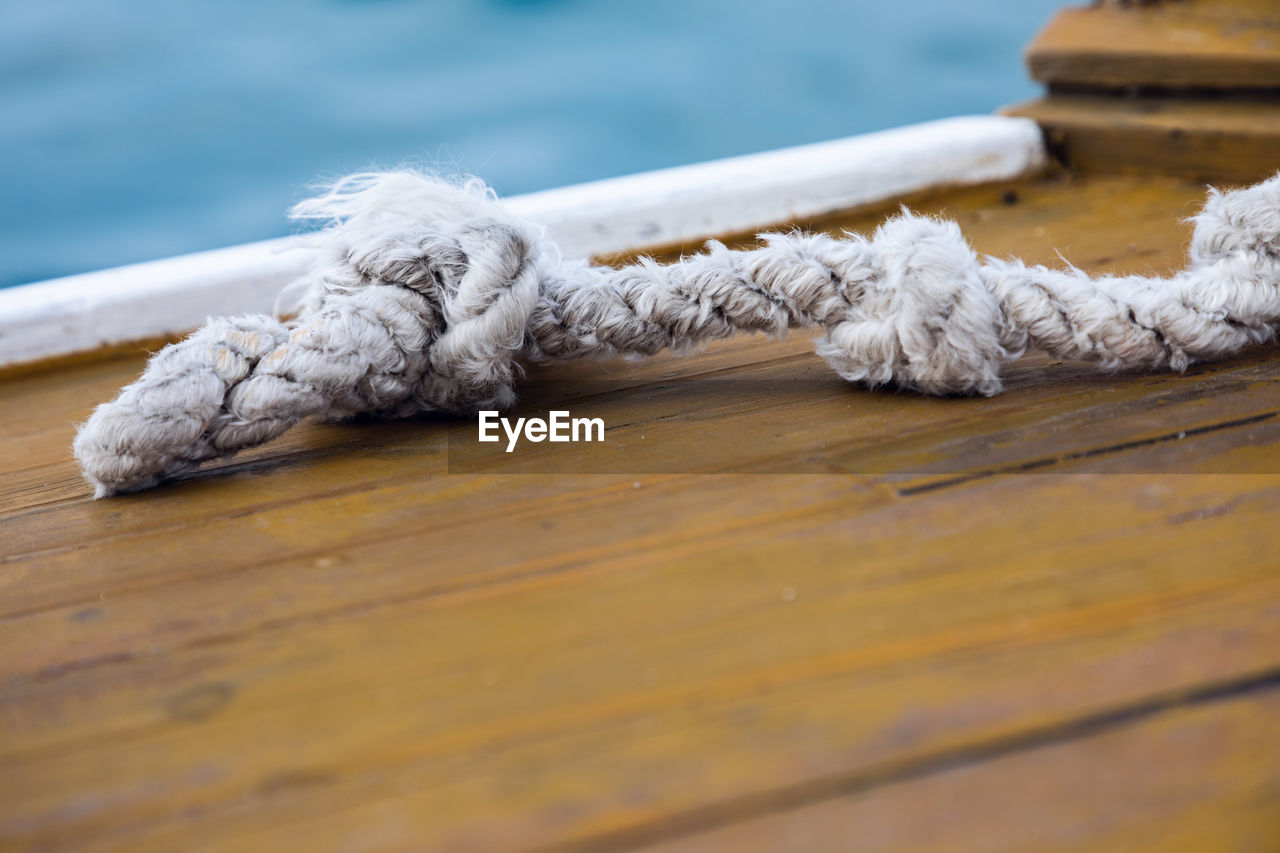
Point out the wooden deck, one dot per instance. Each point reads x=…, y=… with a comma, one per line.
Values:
x=869, y=621
x=771, y=612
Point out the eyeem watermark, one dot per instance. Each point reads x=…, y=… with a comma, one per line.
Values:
x=560, y=426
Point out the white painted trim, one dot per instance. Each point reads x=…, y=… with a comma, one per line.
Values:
x=687, y=203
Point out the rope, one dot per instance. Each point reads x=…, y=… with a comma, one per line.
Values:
x=428, y=297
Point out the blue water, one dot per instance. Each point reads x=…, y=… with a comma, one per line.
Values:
x=136, y=129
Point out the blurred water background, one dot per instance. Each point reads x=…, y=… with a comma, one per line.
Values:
x=138, y=129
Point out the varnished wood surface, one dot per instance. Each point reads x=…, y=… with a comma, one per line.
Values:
x=1166, y=44
x=1172, y=87
x=1044, y=621
x=1231, y=139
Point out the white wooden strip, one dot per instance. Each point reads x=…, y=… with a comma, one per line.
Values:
x=82, y=312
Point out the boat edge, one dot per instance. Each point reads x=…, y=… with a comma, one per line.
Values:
x=154, y=299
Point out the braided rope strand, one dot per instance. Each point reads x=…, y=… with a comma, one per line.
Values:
x=427, y=297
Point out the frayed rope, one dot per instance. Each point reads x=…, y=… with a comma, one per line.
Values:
x=426, y=296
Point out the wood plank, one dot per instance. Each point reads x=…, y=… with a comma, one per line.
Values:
x=342, y=642
x=1234, y=140
x=579, y=687
x=1199, y=44
x=1158, y=781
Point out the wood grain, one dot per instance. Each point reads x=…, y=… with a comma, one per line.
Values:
x=1048, y=620
x=1233, y=140
x=1134, y=783
x=1195, y=44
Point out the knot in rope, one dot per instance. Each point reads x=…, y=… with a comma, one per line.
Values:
x=427, y=296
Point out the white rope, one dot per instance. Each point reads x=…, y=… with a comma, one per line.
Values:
x=428, y=296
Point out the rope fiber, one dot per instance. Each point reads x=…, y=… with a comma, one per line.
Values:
x=426, y=296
